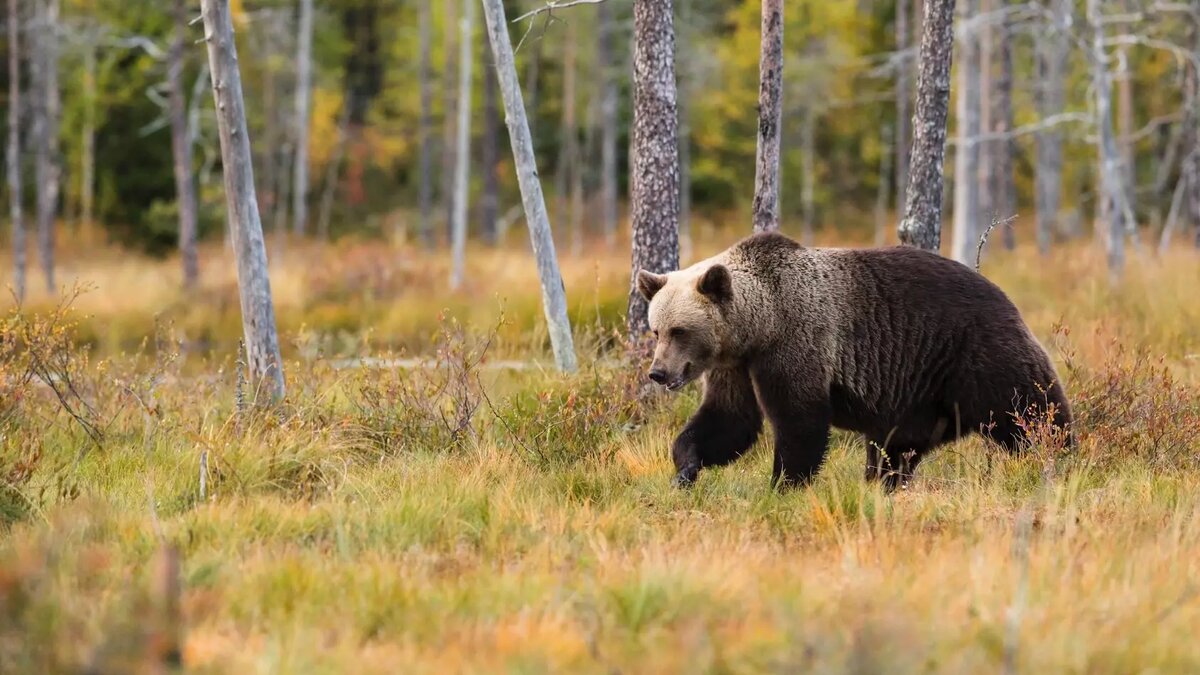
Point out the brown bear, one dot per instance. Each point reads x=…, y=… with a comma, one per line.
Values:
x=906, y=347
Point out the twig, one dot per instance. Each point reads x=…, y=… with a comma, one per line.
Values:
x=552, y=5
x=984, y=237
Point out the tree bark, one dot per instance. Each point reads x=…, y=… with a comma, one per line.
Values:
x=966, y=149
x=770, y=117
x=921, y=226
x=47, y=115
x=554, y=298
x=686, y=82
x=1113, y=192
x=181, y=148
x=655, y=167
x=462, y=149
x=903, y=94
x=424, y=128
x=1048, y=146
x=304, y=78
x=489, y=201
x=254, y=286
x=12, y=153
x=606, y=66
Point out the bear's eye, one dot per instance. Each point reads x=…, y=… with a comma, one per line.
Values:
x=677, y=333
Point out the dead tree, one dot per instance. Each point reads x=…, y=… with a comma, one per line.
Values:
x=966, y=149
x=922, y=226
x=181, y=148
x=462, y=149
x=554, y=297
x=770, y=118
x=655, y=164
x=1051, y=40
x=424, y=127
x=254, y=286
x=304, y=76
x=12, y=153
x=47, y=109
x=606, y=68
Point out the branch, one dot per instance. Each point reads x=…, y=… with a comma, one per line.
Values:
x=1048, y=123
x=552, y=5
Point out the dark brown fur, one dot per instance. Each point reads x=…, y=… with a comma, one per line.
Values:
x=906, y=347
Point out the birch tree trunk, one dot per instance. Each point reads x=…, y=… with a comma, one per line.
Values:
x=1113, y=193
x=606, y=66
x=424, y=128
x=489, y=201
x=1003, y=188
x=462, y=149
x=903, y=94
x=1048, y=146
x=12, y=154
x=922, y=226
x=181, y=148
x=770, y=117
x=655, y=164
x=254, y=286
x=554, y=298
x=47, y=114
x=966, y=149
x=304, y=68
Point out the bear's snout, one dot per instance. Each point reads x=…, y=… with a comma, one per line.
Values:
x=658, y=376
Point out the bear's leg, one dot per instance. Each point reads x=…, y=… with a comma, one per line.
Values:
x=797, y=403
x=723, y=429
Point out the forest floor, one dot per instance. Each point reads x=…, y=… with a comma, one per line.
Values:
x=463, y=517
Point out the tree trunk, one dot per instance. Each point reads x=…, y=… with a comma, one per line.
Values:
x=1048, y=146
x=47, y=114
x=12, y=153
x=686, y=81
x=903, y=119
x=489, y=201
x=881, y=196
x=424, y=129
x=462, y=149
x=966, y=149
x=332, y=170
x=181, y=148
x=254, y=286
x=608, y=123
x=1124, y=86
x=554, y=298
x=922, y=226
x=808, y=173
x=568, y=158
x=304, y=69
x=655, y=168
x=448, y=135
x=1004, y=190
x=1113, y=193
x=770, y=117
x=87, y=155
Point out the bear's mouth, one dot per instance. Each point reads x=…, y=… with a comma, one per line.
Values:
x=679, y=382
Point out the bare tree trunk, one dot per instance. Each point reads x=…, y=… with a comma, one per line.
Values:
x=1052, y=65
x=12, y=153
x=1109, y=154
x=770, y=117
x=87, y=155
x=808, y=171
x=966, y=149
x=49, y=173
x=332, y=170
x=181, y=148
x=884, y=189
x=608, y=122
x=489, y=201
x=424, y=129
x=655, y=167
x=922, y=226
x=304, y=68
x=448, y=116
x=1124, y=86
x=568, y=158
x=462, y=151
x=554, y=298
x=1005, y=195
x=903, y=94
x=254, y=286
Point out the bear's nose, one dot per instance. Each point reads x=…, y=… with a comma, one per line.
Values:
x=658, y=376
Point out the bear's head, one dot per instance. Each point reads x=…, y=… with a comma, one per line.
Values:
x=686, y=318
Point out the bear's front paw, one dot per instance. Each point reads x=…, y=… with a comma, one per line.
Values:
x=686, y=476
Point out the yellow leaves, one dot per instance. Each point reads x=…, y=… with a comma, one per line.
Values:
x=323, y=131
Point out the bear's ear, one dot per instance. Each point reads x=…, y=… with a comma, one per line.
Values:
x=649, y=284
x=716, y=284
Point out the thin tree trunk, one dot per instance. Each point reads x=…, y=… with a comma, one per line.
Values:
x=1113, y=192
x=424, y=129
x=49, y=173
x=1052, y=64
x=332, y=171
x=770, y=117
x=884, y=189
x=568, y=158
x=304, y=68
x=966, y=149
x=554, y=299
x=1004, y=193
x=462, y=151
x=685, y=143
x=254, y=286
x=922, y=226
x=1124, y=86
x=606, y=66
x=808, y=173
x=655, y=167
x=181, y=148
x=489, y=201
x=903, y=94
x=12, y=153
x=87, y=155
x=448, y=115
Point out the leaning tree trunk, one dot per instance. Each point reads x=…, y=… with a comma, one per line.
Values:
x=1048, y=146
x=554, y=297
x=966, y=150
x=903, y=118
x=304, y=68
x=770, y=117
x=462, y=149
x=12, y=153
x=922, y=226
x=655, y=167
x=49, y=173
x=608, y=122
x=254, y=286
x=181, y=148
x=424, y=128
x=1113, y=192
